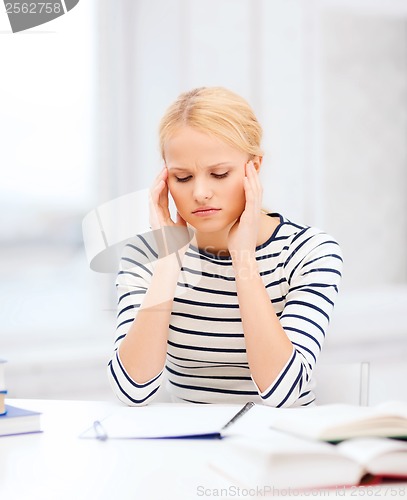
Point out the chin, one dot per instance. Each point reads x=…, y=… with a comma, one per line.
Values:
x=212, y=226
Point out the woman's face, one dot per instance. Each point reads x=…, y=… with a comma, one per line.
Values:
x=205, y=172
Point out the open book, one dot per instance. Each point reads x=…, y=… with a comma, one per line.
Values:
x=337, y=422
x=281, y=460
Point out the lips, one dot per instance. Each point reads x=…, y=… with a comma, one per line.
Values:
x=205, y=210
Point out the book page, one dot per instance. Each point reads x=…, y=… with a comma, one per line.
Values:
x=339, y=421
x=381, y=456
x=393, y=408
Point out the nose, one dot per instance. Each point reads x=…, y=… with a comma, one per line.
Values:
x=202, y=190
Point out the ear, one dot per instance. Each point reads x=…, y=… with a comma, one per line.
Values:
x=257, y=162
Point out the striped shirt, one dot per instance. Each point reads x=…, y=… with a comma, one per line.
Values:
x=206, y=356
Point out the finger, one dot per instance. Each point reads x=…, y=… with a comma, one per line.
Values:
x=155, y=192
x=163, y=193
x=163, y=201
x=250, y=186
x=156, y=185
x=252, y=207
x=255, y=184
x=154, y=208
x=249, y=196
x=258, y=183
x=159, y=175
x=159, y=212
x=252, y=176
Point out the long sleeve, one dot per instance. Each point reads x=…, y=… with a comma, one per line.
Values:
x=313, y=270
x=132, y=282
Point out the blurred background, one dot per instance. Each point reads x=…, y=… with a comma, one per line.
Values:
x=80, y=101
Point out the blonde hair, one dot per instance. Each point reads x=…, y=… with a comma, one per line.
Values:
x=217, y=111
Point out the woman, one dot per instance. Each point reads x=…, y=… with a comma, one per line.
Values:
x=245, y=317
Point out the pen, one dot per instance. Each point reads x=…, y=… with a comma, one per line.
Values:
x=239, y=414
x=99, y=431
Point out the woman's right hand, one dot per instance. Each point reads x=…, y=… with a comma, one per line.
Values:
x=159, y=211
x=170, y=236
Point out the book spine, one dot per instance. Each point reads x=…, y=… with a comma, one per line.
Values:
x=3, y=391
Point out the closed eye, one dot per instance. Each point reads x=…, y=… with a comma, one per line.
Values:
x=217, y=176
x=183, y=179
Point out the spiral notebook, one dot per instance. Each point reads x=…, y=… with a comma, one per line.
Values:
x=167, y=422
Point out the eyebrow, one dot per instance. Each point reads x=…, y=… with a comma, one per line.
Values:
x=208, y=166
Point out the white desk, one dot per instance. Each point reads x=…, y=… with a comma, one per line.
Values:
x=57, y=465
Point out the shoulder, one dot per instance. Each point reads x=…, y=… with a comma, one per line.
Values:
x=303, y=243
x=299, y=235
x=141, y=249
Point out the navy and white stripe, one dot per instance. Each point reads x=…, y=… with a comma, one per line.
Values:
x=206, y=356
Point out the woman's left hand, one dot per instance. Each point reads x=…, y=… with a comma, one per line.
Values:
x=242, y=237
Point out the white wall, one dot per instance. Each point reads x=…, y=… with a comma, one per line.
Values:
x=328, y=81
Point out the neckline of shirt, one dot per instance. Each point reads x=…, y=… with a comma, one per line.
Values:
x=259, y=247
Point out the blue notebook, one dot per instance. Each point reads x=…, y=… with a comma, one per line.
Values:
x=184, y=421
x=3, y=395
x=19, y=421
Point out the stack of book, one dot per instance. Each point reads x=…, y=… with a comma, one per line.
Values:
x=3, y=390
x=14, y=420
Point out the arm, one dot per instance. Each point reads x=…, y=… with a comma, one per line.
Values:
x=144, y=348
x=146, y=286
x=145, y=292
x=282, y=351
x=267, y=345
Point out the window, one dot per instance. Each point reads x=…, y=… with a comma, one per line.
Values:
x=47, y=87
